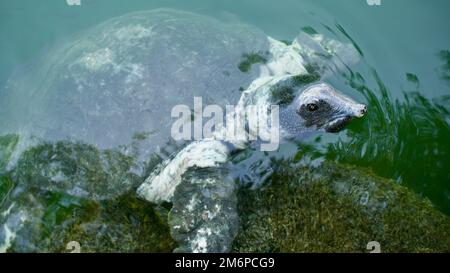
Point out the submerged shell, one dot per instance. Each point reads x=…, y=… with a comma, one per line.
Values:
x=122, y=78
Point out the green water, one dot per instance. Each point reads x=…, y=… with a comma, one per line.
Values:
x=403, y=75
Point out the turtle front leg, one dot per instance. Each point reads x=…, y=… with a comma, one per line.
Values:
x=161, y=184
x=204, y=214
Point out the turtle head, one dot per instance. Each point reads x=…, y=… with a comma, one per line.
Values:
x=319, y=107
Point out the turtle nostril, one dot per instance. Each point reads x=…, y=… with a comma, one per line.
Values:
x=361, y=111
x=364, y=110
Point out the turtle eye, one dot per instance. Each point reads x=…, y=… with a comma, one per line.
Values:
x=312, y=107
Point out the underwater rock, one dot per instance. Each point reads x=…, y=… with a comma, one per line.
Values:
x=77, y=169
x=328, y=208
x=122, y=224
x=337, y=208
x=67, y=191
x=204, y=213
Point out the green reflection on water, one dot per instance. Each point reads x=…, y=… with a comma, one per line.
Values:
x=407, y=140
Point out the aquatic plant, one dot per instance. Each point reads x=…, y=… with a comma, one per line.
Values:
x=444, y=70
x=6, y=186
x=404, y=140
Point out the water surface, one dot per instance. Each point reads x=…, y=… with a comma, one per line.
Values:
x=403, y=74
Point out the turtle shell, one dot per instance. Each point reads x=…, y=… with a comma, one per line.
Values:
x=122, y=78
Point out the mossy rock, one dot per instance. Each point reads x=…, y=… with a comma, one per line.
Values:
x=337, y=208
x=123, y=224
x=68, y=191
x=330, y=208
x=78, y=169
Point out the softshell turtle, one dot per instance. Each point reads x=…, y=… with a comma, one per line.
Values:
x=113, y=88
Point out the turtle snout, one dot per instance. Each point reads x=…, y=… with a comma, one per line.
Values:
x=360, y=110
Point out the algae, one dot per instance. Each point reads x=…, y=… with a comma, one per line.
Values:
x=337, y=208
x=60, y=206
x=250, y=59
x=123, y=224
x=286, y=42
x=282, y=95
x=7, y=146
x=6, y=185
x=300, y=80
x=405, y=139
x=78, y=169
x=66, y=191
x=332, y=207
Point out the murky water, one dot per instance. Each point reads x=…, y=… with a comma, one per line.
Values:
x=403, y=76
